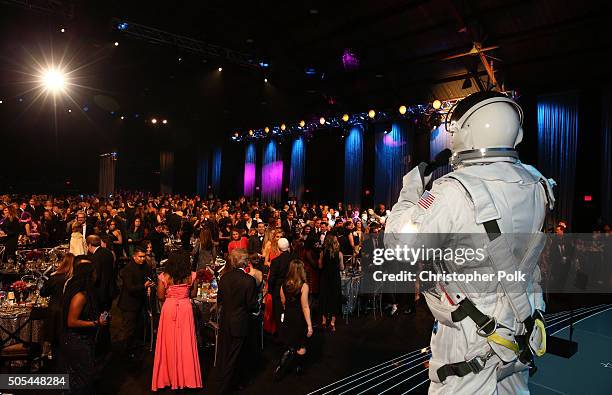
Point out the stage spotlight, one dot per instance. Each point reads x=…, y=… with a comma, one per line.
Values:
x=220, y=69
x=122, y=26
x=283, y=127
x=436, y=104
x=250, y=132
x=345, y=117
x=1, y=102
x=371, y=113
x=402, y=110
x=116, y=43
x=165, y=121
x=69, y=110
x=53, y=80
x=63, y=30
x=302, y=123
x=266, y=80
x=122, y=117
x=322, y=121
x=267, y=129
x=153, y=121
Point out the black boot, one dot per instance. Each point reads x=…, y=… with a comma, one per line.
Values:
x=283, y=364
x=299, y=363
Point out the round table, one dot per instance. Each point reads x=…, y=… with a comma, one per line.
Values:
x=350, y=283
x=15, y=323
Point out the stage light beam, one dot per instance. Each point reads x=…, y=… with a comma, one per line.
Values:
x=53, y=80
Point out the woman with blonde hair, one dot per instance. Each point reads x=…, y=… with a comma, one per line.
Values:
x=271, y=250
x=296, y=325
x=77, y=241
x=331, y=262
x=54, y=288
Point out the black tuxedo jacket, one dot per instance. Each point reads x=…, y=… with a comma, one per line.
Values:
x=278, y=273
x=238, y=300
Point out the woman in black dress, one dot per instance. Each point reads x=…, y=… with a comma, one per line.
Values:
x=330, y=287
x=296, y=325
x=54, y=288
x=9, y=235
x=81, y=322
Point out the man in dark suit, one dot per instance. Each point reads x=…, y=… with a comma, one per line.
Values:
x=237, y=300
x=278, y=273
x=135, y=281
x=103, y=261
x=255, y=244
x=289, y=224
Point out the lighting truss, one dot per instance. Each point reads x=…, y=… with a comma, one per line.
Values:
x=335, y=121
x=53, y=7
x=187, y=44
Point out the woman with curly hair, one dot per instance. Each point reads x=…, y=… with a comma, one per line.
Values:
x=177, y=363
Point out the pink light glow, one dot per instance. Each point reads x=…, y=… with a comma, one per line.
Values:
x=271, y=179
x=249, y=178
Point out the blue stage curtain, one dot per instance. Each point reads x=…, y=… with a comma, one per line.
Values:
x=439, y=140
x=166, y=171
x=216, y=171
x=353, y=165
x=271, y=173
x=606, y=152
x=392, y=161
x=557, y=143
x=296, y=171
x=250, y=164
x=202, y=176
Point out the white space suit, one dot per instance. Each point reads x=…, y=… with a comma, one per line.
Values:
x=489, y=185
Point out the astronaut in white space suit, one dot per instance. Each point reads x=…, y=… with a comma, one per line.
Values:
x=484, y=338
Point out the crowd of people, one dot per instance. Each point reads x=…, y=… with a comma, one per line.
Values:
x=134, y=247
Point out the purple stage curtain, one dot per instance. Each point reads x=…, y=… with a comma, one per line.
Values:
x=250, y=160
x=271, y=173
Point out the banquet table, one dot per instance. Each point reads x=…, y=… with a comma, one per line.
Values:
x=16, y=324
x=350, y=283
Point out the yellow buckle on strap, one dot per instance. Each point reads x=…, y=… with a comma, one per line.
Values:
x=502, y=341
x=540, y=325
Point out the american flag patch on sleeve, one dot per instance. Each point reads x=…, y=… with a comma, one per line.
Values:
x=426, y=200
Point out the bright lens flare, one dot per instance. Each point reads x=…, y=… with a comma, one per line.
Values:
x=53, y=80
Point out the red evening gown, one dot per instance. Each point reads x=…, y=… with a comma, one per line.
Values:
x=177, y=364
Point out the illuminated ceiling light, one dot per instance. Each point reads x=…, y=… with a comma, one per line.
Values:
x=1, y=102
x=322, y=121
x=53, y=80
x=371, y=113
x=122, y=26
x=250, y=132
x=154, y=121
x=436, y=104
x=122, y=117
x=165, y=121
x=116, y=43
x=266, y=80
x=345, y=117
x=69, y=110
x=283, y=126
x=402, y=110
x=267, y=129
x=63, y=30
x=220, y=69
x=302, y=123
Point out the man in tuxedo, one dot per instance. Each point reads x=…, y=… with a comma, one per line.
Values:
x=81, y=219
x=156, y=236
x=278, y=273
x=246, y=223
x=237, y=300
x=135, y=281
x=211, y=225
x=289, y=224
x=255, y=245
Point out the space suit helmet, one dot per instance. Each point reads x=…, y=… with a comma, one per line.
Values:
x=485, y=121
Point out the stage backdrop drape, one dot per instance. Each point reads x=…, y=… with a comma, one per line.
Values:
x=392, y=160
x=271, y=173
x=250, y=166
x=439, y=139
x=202, y=177
x=557, y=146
x=107, y=172
x=216, y=171
x=606, y=152
x=296, y=170
x=353, y=165
x=166, y=171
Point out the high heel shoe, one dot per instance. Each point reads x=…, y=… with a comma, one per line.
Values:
x=283, y=364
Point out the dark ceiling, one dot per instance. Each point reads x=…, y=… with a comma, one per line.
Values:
x=544, y=45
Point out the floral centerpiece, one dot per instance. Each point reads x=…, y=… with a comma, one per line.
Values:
x=204, y=275
x=20, y=286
